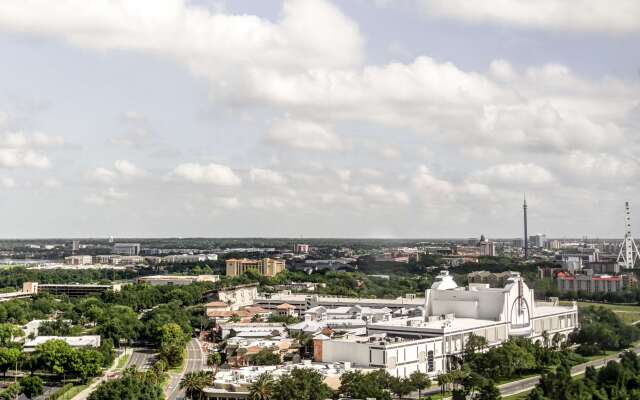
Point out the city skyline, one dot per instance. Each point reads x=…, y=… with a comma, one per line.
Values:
x=314, y=118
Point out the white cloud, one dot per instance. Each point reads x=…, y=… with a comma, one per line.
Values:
x=580, y=166
x=94, y=199
x=19, y=140
x=19, y=157
x=138, y=131
x=303, y=134
x=370, y=172
x=266, y=177
x=343, y=174
x=310, y=33
x=619, y=17
x=390, y=153
x=267, y=203
x=425, y=182
x=226, y=202
x=518, y=173
x=214, y=174
x=101, y=174
x=51, y=183
x=380, y=194
x=127, y=168
x=105, y=197
x=7, y=182
x=113, y=193
x=20, y=150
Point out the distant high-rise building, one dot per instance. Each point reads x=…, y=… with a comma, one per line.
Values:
x=300, y=248
x=552, y=244
x=538, y=240
x=75, y=246
x=487, y=247
x=126, y=249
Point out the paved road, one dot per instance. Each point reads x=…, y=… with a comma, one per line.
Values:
x=523, y=385
x=196, y=361
x=529, y=383
x=141, y=359
x=83, y=395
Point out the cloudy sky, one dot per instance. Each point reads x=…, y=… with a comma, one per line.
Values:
x=358, y=118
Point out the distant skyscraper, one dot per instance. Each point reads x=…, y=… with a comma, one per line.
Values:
x=75, y=246
x=526, y=234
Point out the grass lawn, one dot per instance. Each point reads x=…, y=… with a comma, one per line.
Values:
x=613, y=307
x=599, y=356
x=122, y=361
x=627, y=312
x=439, y=396
x=71, y=393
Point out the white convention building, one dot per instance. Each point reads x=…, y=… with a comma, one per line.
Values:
x=452, y=314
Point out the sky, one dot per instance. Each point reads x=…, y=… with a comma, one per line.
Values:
x=318, y=118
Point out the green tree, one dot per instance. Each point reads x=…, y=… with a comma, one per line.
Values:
x=132, y=385
x=8, y=332
x=193, y=383
x=266, y=357
x=355, y=384
x=489, y=391
x=172, y=343
x=9, y=358
x=32, y=386
x=301, y=383
x=401, y=387
x=11, y=392
x=54, y=356
x=262, y=387
x=420, y=381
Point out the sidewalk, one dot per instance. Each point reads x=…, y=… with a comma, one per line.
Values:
x=113, y=368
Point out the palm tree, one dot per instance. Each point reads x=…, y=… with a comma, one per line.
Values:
x=193, y=384
x=262, y=387
x=214, y=360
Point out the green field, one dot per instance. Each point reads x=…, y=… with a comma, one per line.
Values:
x=627, y=312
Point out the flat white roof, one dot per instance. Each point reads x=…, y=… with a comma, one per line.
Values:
x=74, y=341
x=442, y=325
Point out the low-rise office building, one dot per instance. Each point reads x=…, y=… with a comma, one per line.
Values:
x=126, y=249
x=161, y=280
x=78, y=260
x=494, y=279
x=399, y=356
x=592, y=283
x=303, y=302
x=264, y=266
x=189, y=258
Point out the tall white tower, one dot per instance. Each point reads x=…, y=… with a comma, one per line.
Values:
x=628, y=249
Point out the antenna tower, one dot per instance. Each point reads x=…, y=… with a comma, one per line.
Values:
x=628, y=248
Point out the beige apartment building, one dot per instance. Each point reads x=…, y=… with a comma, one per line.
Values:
x=265, y=266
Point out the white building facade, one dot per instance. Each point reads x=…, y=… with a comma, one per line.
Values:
x=452, y=315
